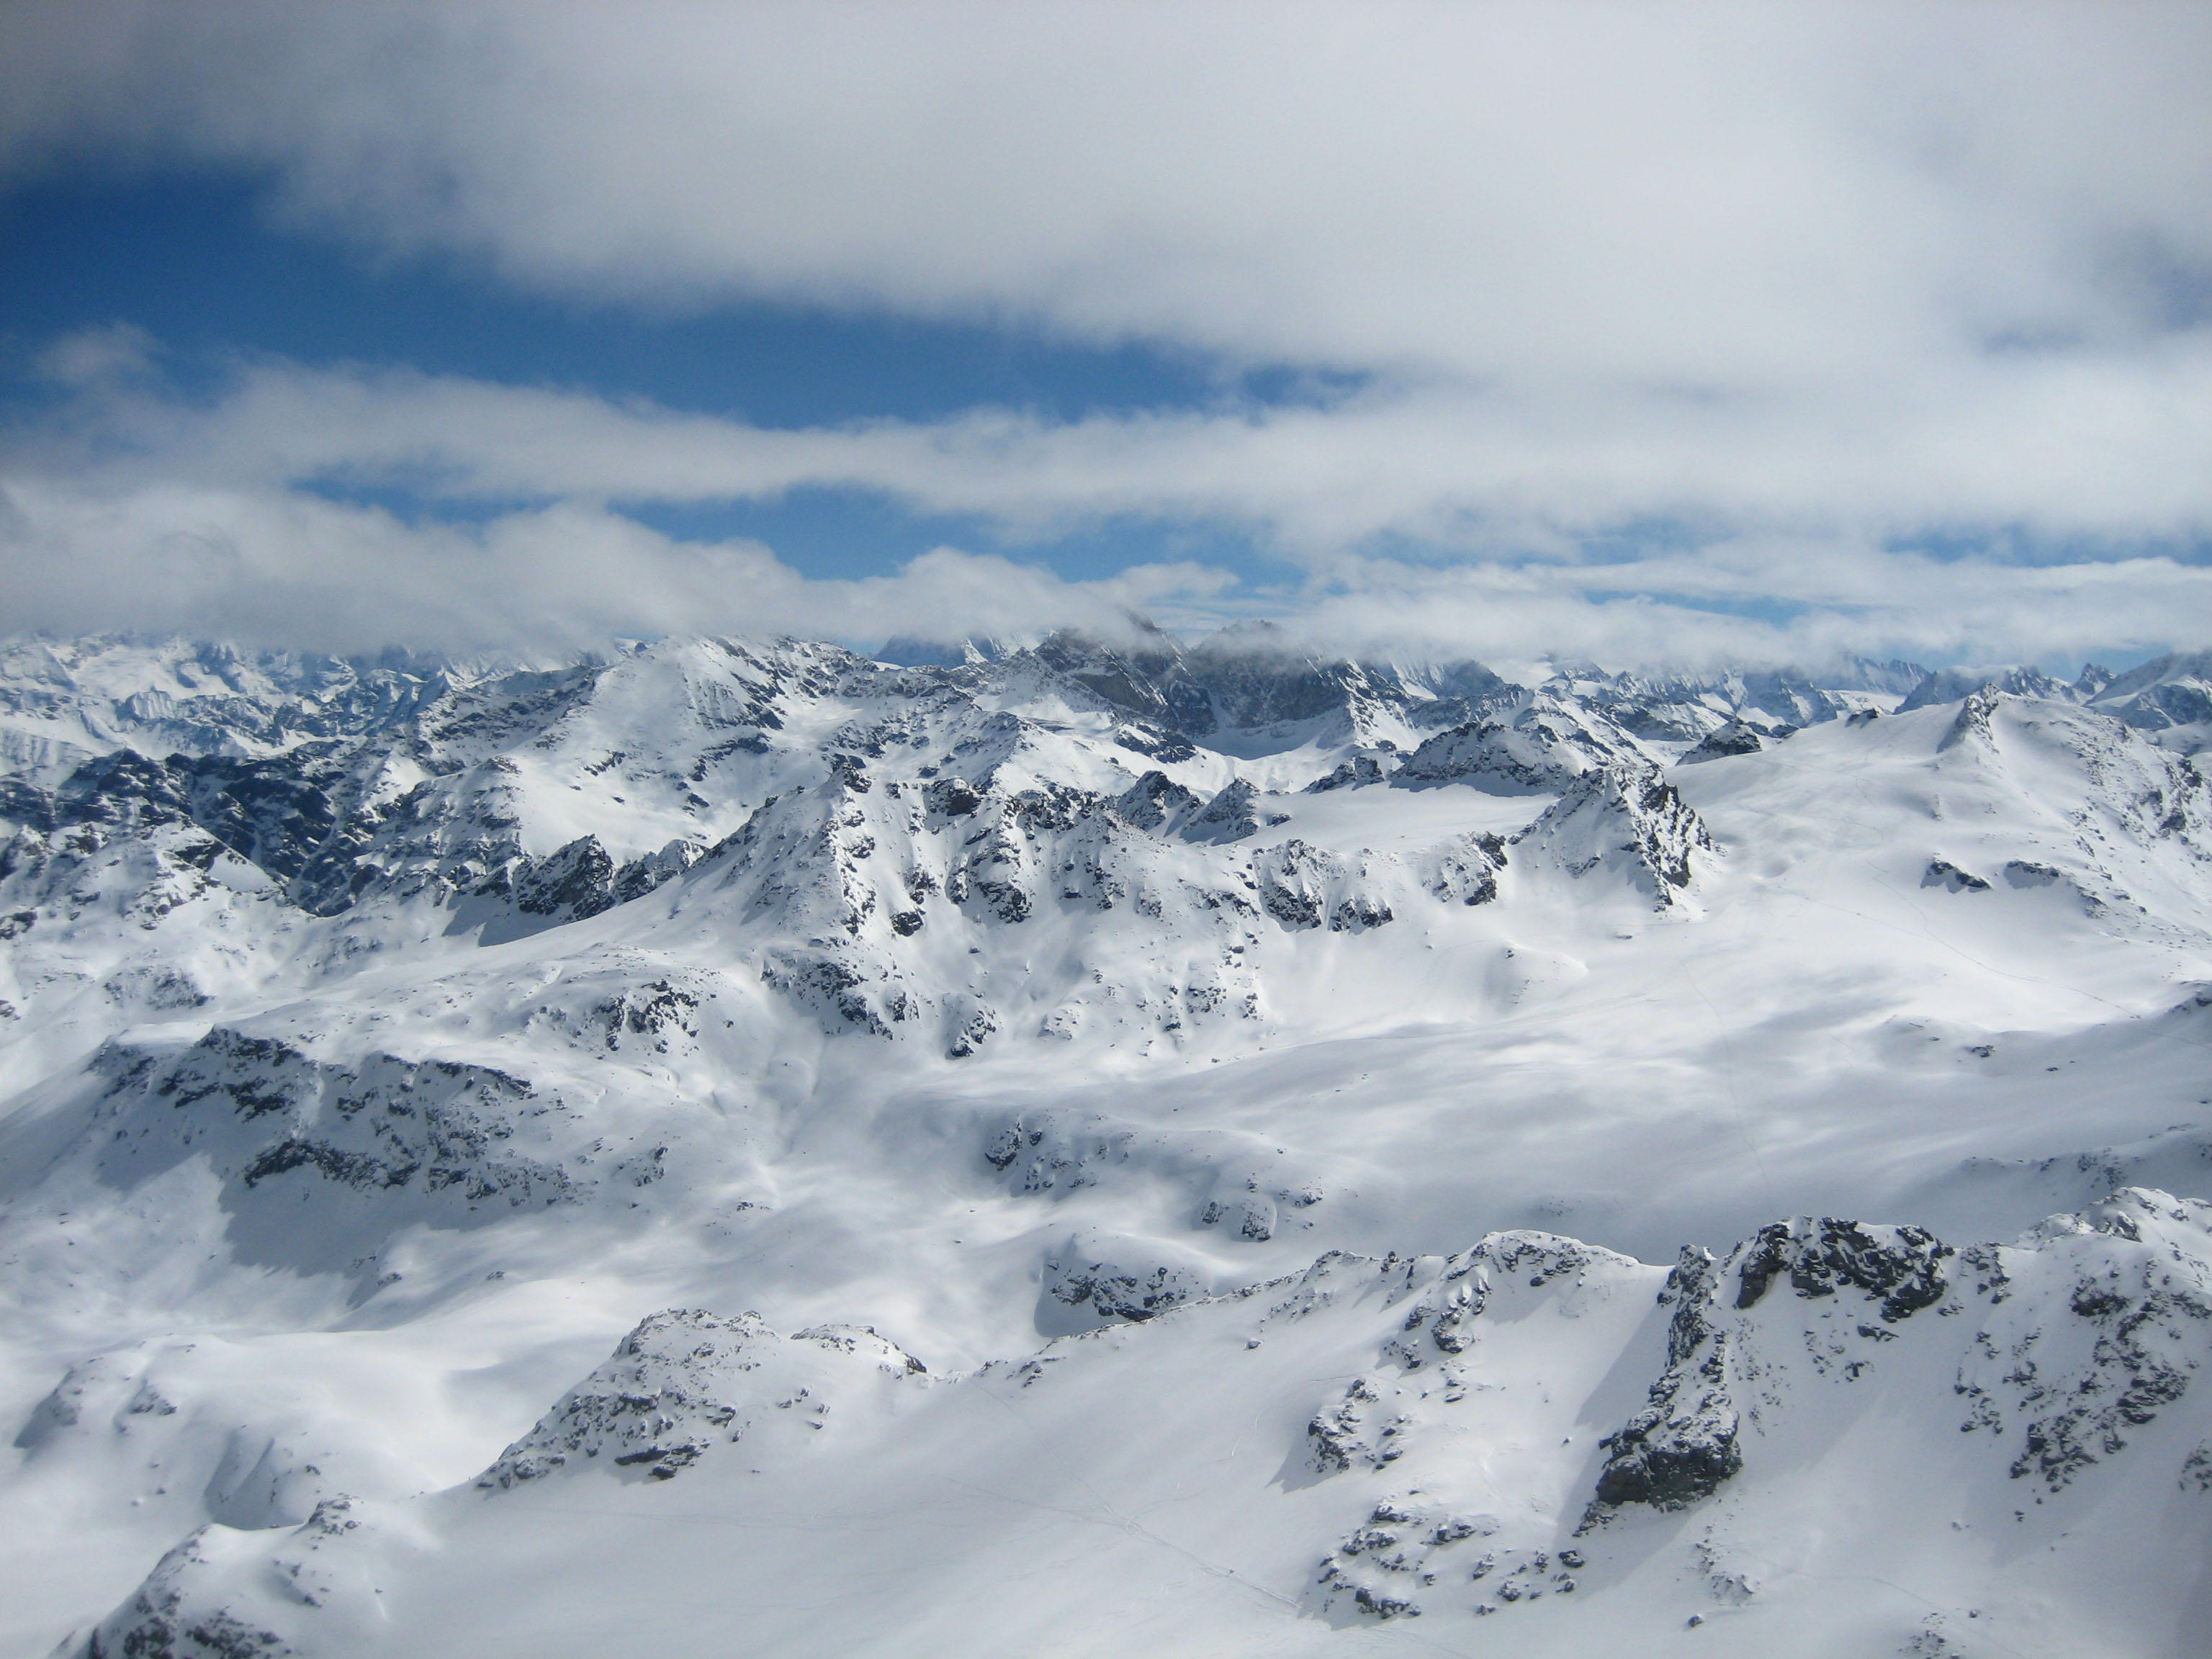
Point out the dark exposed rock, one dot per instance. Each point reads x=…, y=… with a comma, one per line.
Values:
x=842, y=987
x=1736, y=738
x=1902, y=1267
x=1629, y=818
x=1154, y=802
x=1170, y=747
x=1114, y=1290
x=1972, y=721
x=1681, y=1447
x=975, y=1030
x=1355, y=773
x=1228, y=816
x=2140, y=1317
x=1533, y=745
x=1302, y=886
x=263, y=1109
x=1942, y=872
x=577, y=881
x=1467, y=868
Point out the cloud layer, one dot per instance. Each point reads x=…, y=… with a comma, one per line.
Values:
x=1801, y=286
x=131, y=504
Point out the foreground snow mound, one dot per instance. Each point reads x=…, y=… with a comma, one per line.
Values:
x=686, y=1381
x=223, y=1593
x=1837, y=1398
x=1797, y=1461
x=2073, y=1339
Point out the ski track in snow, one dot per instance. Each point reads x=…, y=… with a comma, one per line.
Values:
x=1105, y=1149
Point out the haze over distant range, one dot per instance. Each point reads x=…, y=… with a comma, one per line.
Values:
x=1655, y=338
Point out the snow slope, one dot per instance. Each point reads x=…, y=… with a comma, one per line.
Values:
x=1098, y=1148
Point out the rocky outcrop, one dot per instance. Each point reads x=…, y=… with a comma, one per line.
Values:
x=385, y=1143
x=2099, y=1323
x=1356, y=773
x=1239, y=1186
x=1688, y=1439
x=1305, y=887
x=1229, y=816
x=2068, y=1343
x=1942, y=872
x=1079, y=1279
x=1628, y=821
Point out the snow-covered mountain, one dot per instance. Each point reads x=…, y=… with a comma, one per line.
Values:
x=1100, y=1146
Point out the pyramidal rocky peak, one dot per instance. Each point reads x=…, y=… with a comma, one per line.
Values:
x=1100, y=1146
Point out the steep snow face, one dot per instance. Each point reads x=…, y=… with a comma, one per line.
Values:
x=2170, y=699
x=2025, y=797
x=379, y=1051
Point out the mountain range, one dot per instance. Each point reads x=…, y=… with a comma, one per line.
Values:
x=1102, y=1145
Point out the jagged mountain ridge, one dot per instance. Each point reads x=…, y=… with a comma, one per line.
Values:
x=1064, y=774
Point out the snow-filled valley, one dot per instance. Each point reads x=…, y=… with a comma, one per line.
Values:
x=1100, y=1148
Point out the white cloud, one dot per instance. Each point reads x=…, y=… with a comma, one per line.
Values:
x=1820, y=603
x=1811, y=280
x=1718, y=196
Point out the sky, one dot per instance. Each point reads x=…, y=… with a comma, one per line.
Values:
x=1652, y=336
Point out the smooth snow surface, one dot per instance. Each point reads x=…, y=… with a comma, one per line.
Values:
x=1101, y=1151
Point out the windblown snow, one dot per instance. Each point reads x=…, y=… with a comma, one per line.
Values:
x=1100, y=1148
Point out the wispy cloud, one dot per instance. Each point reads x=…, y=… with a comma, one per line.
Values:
x=2086, y=450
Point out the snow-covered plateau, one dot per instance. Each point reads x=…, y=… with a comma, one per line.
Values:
x=1100, y=1148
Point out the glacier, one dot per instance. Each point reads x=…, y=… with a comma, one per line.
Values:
x=1101, y=1145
